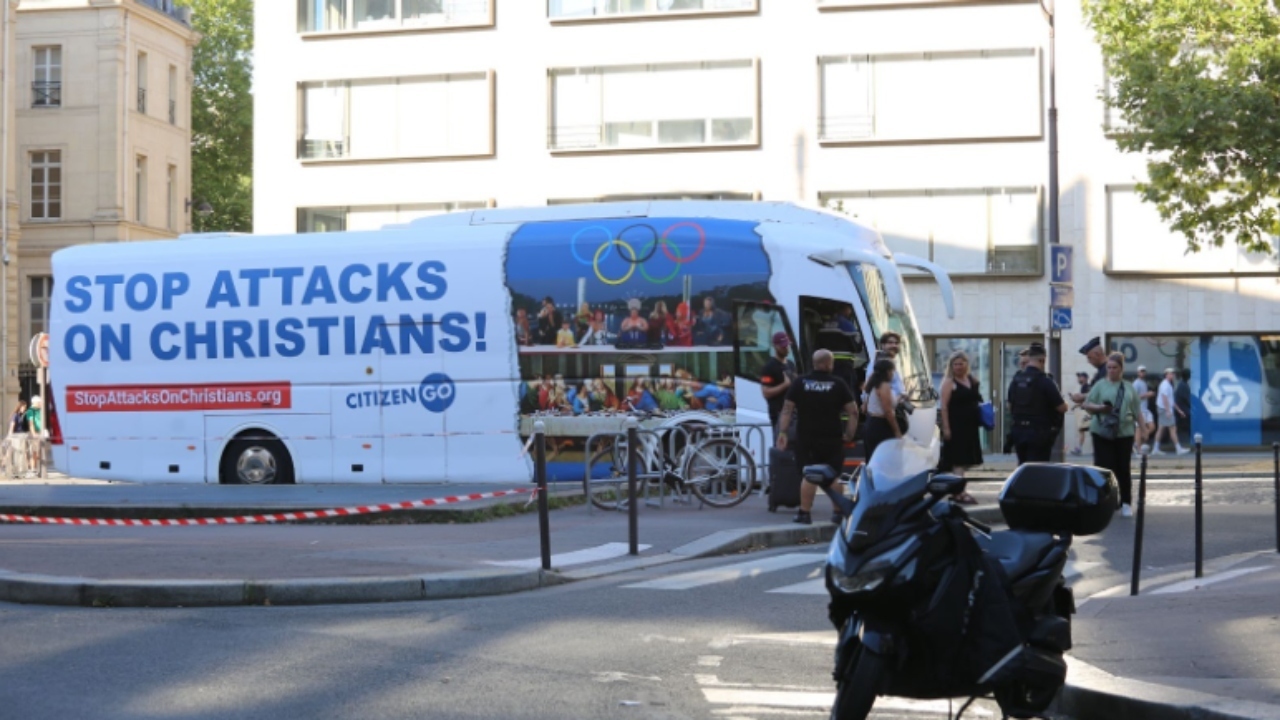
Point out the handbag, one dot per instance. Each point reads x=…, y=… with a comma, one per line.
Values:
x=1109, y=424
x=987, y=415
x=902, y=413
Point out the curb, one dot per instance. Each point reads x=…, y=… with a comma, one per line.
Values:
x=1094, y=693
x=38, y=589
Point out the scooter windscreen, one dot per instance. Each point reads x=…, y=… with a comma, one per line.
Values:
x=898, y=471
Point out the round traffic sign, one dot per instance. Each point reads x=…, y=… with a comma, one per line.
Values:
x=39, y=350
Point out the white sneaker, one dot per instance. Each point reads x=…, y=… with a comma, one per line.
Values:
x=1183, y=451
x=1158, y=451
x=1126, y=511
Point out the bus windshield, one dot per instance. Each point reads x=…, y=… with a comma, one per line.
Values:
x=911, y=362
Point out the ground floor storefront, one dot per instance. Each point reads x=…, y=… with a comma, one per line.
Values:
x=1233, y=380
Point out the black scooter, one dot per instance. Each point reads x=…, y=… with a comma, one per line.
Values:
x=930, y=603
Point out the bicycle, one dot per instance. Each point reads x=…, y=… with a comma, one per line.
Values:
x=710, y=464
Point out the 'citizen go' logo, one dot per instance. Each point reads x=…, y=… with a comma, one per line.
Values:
x=436, y=392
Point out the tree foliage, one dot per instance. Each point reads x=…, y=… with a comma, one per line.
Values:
x=1198, y=84
x=222, y=114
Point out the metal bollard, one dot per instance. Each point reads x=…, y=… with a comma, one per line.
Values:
x=1275, y=449
x=633, y=505
x=1138, y=526
x=540, y=475
x=1199, y=509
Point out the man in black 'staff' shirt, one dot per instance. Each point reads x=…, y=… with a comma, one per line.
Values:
x=818, y=400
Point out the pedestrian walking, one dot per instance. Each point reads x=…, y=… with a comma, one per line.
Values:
x=1182, y=398
x=1167, y=412
x=882, y=402
x=817, y=401
x=1116, y=426
x=1037, y=409
x=1146, y=394
x=961, y=442
x=1082, y=422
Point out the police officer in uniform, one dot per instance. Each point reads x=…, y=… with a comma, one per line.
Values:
x=1097, y=357
x=1037, y=408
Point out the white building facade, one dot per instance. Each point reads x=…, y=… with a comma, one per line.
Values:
x=928, y=120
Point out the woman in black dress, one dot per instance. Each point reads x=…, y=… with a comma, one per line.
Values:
x=961, y=444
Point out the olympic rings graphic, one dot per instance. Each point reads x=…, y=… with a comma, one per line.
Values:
x=649, y=249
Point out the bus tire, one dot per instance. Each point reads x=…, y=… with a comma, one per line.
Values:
x=256, y=457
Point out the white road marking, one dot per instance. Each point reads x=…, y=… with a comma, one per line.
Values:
x=1197, y=583
x=800, y=639
x=611, y=677
x=727, y=573
x=808, y=587
x=709, y=660
x=608, y=551
x=663, y=638
x=1075, y=569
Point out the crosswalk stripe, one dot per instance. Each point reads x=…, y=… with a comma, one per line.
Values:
x=1197, y=583
x=727, y=573
x=608, y=551
x=808, y=587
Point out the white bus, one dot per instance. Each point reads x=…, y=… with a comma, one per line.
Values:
x=426, y=352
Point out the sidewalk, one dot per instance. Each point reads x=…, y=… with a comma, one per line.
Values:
x=1167, y=655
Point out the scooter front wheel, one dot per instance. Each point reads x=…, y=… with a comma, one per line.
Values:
x=857, y=692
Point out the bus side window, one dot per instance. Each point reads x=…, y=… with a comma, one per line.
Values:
x=753, y=346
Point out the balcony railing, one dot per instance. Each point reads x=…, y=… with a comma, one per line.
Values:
x=142, y=100
x=319, y=149
x=170, y=8
x=47, y=93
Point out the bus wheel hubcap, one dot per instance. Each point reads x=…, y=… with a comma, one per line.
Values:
x=256, y=466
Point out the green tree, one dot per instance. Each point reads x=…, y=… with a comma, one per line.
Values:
x=1198, y=83
x=222, y=114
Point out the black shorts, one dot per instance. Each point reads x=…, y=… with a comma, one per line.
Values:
x=822, y=452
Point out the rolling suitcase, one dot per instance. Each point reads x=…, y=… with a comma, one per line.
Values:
x=784, y=480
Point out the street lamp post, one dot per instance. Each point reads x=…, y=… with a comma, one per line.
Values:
x=1055, y=335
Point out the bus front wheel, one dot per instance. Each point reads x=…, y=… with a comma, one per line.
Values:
x=256, y=458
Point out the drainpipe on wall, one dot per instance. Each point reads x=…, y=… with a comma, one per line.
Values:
x=4, y=215
x=124, y=141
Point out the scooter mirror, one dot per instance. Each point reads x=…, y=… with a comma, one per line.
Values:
x=941, y=485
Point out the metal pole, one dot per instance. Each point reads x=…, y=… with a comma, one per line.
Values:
x=1138, y=527
x=633, y=513
x=1275, y=449
x=1199, y=509
x=1055, y=238
x=540, y=474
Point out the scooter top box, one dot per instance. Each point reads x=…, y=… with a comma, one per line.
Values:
x=1060, y=498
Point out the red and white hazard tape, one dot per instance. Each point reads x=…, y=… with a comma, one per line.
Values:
x=268, y=518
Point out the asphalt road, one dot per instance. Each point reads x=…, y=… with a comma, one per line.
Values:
x=705, y=639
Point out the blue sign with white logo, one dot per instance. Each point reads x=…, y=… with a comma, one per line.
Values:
x=436, y=392
x=1060, y=264
x=1061, y=318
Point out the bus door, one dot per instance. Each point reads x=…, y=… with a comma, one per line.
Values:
x=830, y=325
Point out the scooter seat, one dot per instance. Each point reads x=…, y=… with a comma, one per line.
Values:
x=1017, y=550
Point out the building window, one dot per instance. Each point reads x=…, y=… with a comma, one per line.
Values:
x=431, y=116
x=46, y=185
x=368, y=15
x=373, y=217
x=989, y=231
x=140, y=190
x=608, y=9
x=171, y=198
x=655, y=106
x=857, y=4
x=1140, y=242
x=46, y=86
x=38, y=302
x=173, y=95
x=142, y=82
x=630, y=197
x=986, y=94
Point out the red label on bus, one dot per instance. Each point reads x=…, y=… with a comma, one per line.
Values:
x=178, y=397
